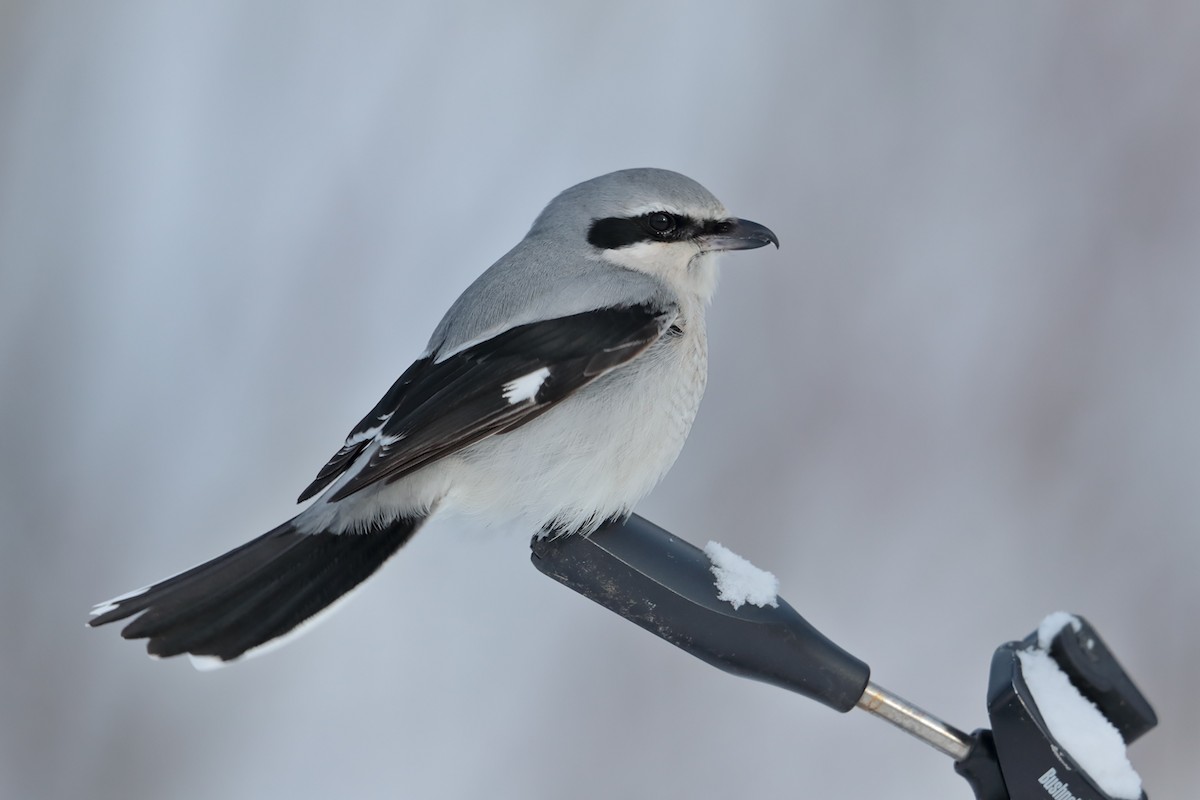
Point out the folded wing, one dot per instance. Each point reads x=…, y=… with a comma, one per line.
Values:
x=442, y=404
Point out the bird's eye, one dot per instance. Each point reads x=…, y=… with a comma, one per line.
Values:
x=661, y=222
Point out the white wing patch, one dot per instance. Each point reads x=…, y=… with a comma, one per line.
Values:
x=369, y=433
x=525, y=387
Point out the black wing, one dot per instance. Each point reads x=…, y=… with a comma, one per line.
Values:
x=438, y=407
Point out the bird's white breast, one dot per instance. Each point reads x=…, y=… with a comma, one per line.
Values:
x=600, y=451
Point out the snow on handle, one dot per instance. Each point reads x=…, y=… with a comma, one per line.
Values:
x=739, y=581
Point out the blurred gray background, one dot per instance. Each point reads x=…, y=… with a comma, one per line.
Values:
x=963, y=395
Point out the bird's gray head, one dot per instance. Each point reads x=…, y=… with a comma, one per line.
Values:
x=651, y=220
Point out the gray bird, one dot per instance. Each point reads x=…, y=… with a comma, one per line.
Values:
x=555, y=393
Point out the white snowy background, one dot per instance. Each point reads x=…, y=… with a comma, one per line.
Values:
x=963, y=395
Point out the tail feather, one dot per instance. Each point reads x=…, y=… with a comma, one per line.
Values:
x=254, y=594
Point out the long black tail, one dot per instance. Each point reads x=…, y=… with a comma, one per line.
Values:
x=253, y=594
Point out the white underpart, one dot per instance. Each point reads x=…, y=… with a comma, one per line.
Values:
x=1079, y=727
x=525, y=387
x=555, y=469
x=739, y=581
x=210, y=663
x=376, y=505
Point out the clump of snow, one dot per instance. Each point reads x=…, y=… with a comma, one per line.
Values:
x=1052, y=624
x=1076, y=724
x=739, y=581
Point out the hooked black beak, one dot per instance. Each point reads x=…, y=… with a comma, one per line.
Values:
x=738, y=234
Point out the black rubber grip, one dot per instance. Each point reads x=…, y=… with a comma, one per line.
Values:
x=666, y=585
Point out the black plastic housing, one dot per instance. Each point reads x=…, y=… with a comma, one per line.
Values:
x=1096, y=673
x=1035, y=766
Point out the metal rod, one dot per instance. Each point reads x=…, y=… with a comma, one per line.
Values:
x=919, y=723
